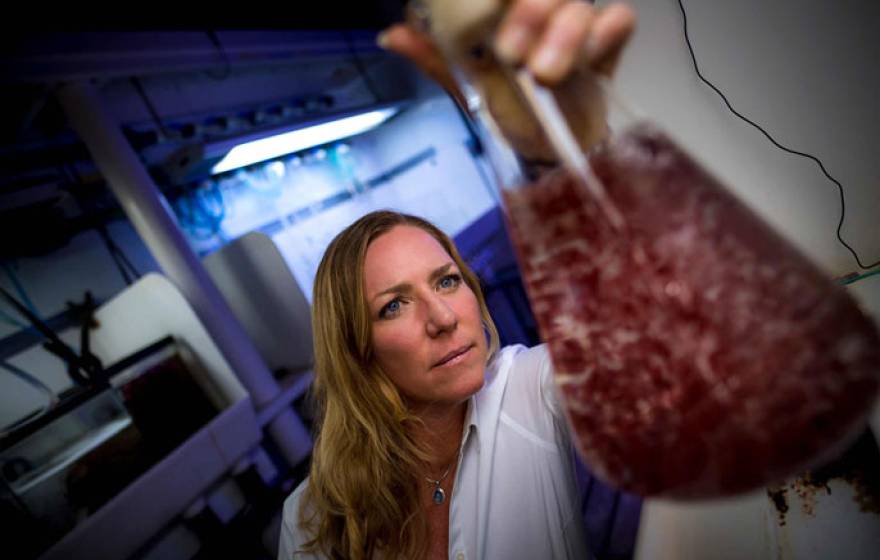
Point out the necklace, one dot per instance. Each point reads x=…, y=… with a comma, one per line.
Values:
x=439, y=496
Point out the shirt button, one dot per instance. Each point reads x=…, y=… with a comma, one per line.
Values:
x=459, y=556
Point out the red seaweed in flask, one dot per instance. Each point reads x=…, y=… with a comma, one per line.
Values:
x=696, y=351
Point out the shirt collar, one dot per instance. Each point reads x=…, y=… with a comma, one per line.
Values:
x=470, y=422
x=472, y=416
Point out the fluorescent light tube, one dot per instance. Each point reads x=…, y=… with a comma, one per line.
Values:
x=301, y=139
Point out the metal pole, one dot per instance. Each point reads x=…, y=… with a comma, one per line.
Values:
x=148, y=211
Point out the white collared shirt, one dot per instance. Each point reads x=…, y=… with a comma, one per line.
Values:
x=515, y=494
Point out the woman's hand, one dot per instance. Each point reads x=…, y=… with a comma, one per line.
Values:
x=559, y=41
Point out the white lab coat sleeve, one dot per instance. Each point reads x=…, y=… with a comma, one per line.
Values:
x=292, y=538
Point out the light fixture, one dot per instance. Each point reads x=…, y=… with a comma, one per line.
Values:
x=308, y=136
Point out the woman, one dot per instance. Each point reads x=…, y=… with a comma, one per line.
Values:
x=412, y=416
x=432, y=443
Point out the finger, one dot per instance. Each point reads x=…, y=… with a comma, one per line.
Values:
x=521, y=26
x=404, y=40
x=562, y=43
x=611, y=30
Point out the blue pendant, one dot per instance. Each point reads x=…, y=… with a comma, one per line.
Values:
x=439, y=495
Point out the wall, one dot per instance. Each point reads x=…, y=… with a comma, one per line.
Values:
x=806, y=71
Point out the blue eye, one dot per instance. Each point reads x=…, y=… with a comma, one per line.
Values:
x=449, y=281
x=389, y=309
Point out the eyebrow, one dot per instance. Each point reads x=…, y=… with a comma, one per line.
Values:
x=404, y=287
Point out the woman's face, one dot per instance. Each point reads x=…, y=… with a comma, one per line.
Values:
x=426, y=325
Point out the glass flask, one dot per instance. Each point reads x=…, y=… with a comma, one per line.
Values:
x=697, y=352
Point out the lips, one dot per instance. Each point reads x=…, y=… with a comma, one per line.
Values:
x=453, y=355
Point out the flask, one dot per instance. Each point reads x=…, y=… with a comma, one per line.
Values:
x=697, y=353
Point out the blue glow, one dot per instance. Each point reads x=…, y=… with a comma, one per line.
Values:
x=301, y=139
x=277, y=169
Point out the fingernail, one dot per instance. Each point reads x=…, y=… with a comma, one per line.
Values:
x=511, y=44
x=382, y=40
x=546, y=60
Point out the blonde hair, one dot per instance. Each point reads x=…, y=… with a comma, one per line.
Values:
x=362, y=498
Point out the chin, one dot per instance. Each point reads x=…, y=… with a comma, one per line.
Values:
x=474, y=382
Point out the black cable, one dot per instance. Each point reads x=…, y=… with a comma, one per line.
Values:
x=53, y=343
x=123, y=258
x=215, y=40
x=775, y=143
x=150, y=107
x=358, y=63
x=126, y=268
x=122, y=270
x=16, y=283
x=35, y=383
x=102, y=231
x=77, y=365
x=10, y=320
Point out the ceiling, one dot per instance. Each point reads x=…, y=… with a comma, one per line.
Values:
x=174, y=83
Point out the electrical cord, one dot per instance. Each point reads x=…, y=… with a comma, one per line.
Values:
x=84, y=368
x=122, y=270
x=775, y=143
x=227, y=68
x=854, y=277
x=36, y=384
x=11, y=320
x=123, y=258
x=362, y=71
x=20, y=289
x=5, y=317
x=126, y=269
x=150, y=107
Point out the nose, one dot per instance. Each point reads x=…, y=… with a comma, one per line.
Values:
x=441, y=317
